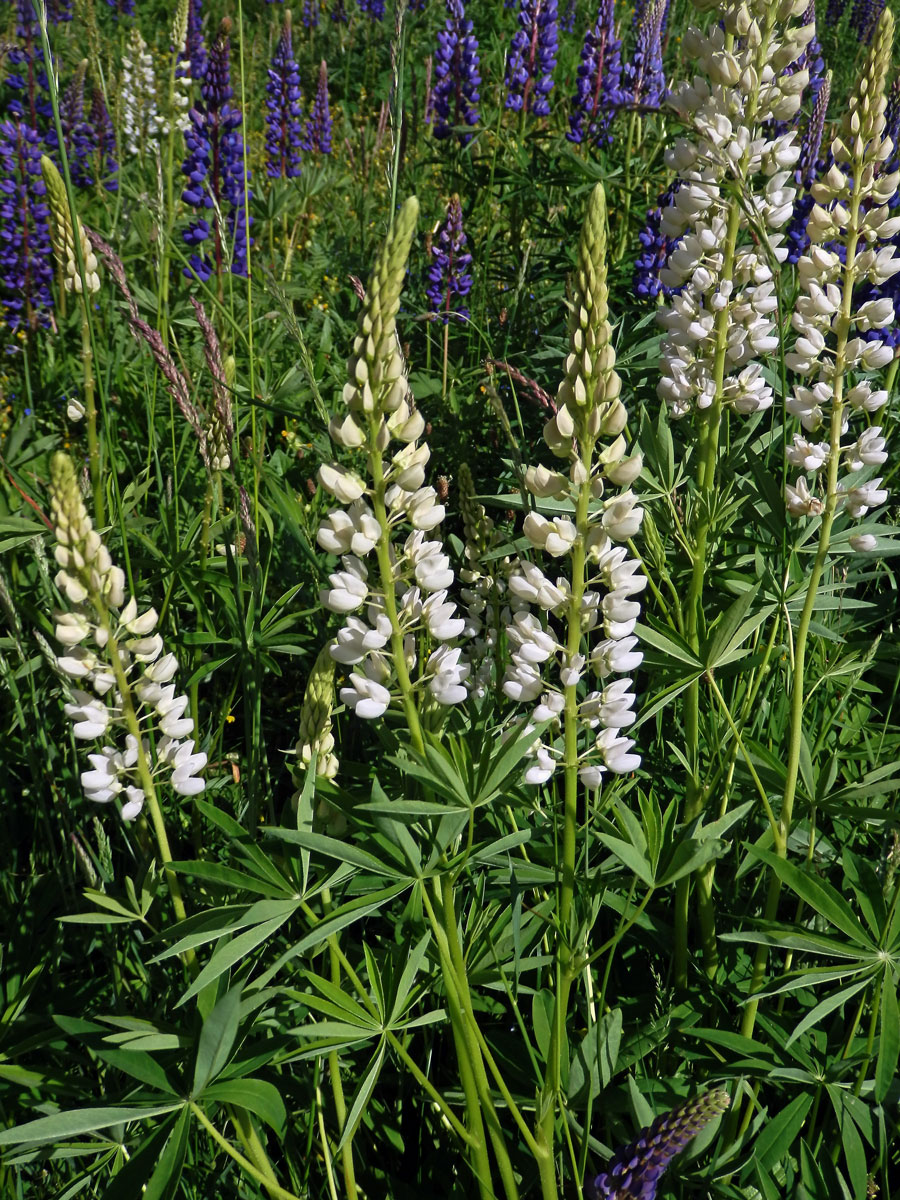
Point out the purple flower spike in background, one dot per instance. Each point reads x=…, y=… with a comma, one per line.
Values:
x=194, y=50
x=215, y=169
x=122, y=8
x=28, y=75
x=599, y=89
x=656, y=248
x=26, y=257
x=318, y=127
x=374, y=8
x=567, y=21
x=78, y=132
x=457, y=78
x=448, y=280
x=643, y=80
x=284, y=136
x=636, y=1169
x=311, y=14
x=864, y=18
x=809, y=168
x=834, y=12
x=532, y=58
x=105, y=142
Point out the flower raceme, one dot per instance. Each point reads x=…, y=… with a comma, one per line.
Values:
x=582, y=622
x=115, y=656
x=394, y=577
x=838, y=345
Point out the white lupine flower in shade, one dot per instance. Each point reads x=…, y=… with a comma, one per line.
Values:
x=185, y=764
x=336, y=532
x=438, y=613
x=811, y=456
x=550, y=707
x=570, y=674
x=867, y=451
x=800, y=501
x=120, y=657
x=556, y=537
x=523, y=681
x=615, y=752
x=622, y=517
x=531, y=643
x=356, y=639
x=367, y=698
x=530, y=584
x=617, y=657
x=863, y=541
x=542, y=767
x=423, y=510
x=342, y=484
x=141, y=123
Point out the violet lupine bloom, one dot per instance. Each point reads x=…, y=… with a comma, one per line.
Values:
x=532, y=58
x=26, y=257
x=643, y=79
x=339, y=13
x=28, y=76
x=318, y=127
x=284, y=138
x=809, y=168
x=864, y=17
x=374, y=8
x=59, y=11
x=122, y=8
x=215, y=168
x=455, y=96
x=834, y=12
x=448, y=280
x=78, y=132
x=310, y=16
x=193, y=53
x=656, y=250
x=636, y=1169
x=567, y=21
x=599, y=89
x=105, y=138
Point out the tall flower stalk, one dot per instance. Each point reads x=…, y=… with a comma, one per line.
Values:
x=449, y=280
x=598, y=92
x=850, y=217
x=457, y=78
x=25, y=263
x=729, y=211
x=532, y=58
x=582, y=624
x=284, y=135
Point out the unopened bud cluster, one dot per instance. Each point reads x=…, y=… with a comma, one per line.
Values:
x=582, y=621
x=735, y=198
x=109, y=648
x=63, y=234
x=849, y=223
x=390, y=512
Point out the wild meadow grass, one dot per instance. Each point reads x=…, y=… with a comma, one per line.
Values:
x=449, y=622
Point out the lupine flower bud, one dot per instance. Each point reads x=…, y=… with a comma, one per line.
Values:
x=636, y=1169
x=64, y=236
x=315, y=718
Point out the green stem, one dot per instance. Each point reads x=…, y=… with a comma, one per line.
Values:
x=90, y=407
x=274, y=1190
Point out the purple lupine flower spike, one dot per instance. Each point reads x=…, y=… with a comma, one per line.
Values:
x=318, y=127
x=809, y=167
x=26, y=258
x=339, y=12
x=311, y=14
x=28, y=76
x=599, y=89
x=448, y=278
x=59, y=11
x=78, y=132
x=215, y=168
x=567, y=21
x=656, y=250
x=122, y=8
x=455, y=96
x=374, y=8
x=105, y=141
x=532, y=58
x=834, y=12
x=636, y=1169
x=194, y=50
x=284, y=136
x=864, y=17
x=643, y=80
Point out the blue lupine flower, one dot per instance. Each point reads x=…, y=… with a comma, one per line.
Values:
x=105, y=141
x=26, y=258
x=567, y=21
x=809, y=168
x=311, y=14
x=656, y=250
x=78, y=132
x=339, y=12
x=318, y=127
x=834, y=11
x=455, y=96
x=215, y=168
x=864, y=17
x=636, y=1169
x=448, y=280
x=122, y=8
x=374, y=8
x=193, y=52
x=28, y=76
x=599, y=88
x=643, y=79
x=532, y=58
x=284, y=136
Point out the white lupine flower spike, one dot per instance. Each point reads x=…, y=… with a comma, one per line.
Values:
x=394, y=583
x=566, y=629
x=115, y=650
